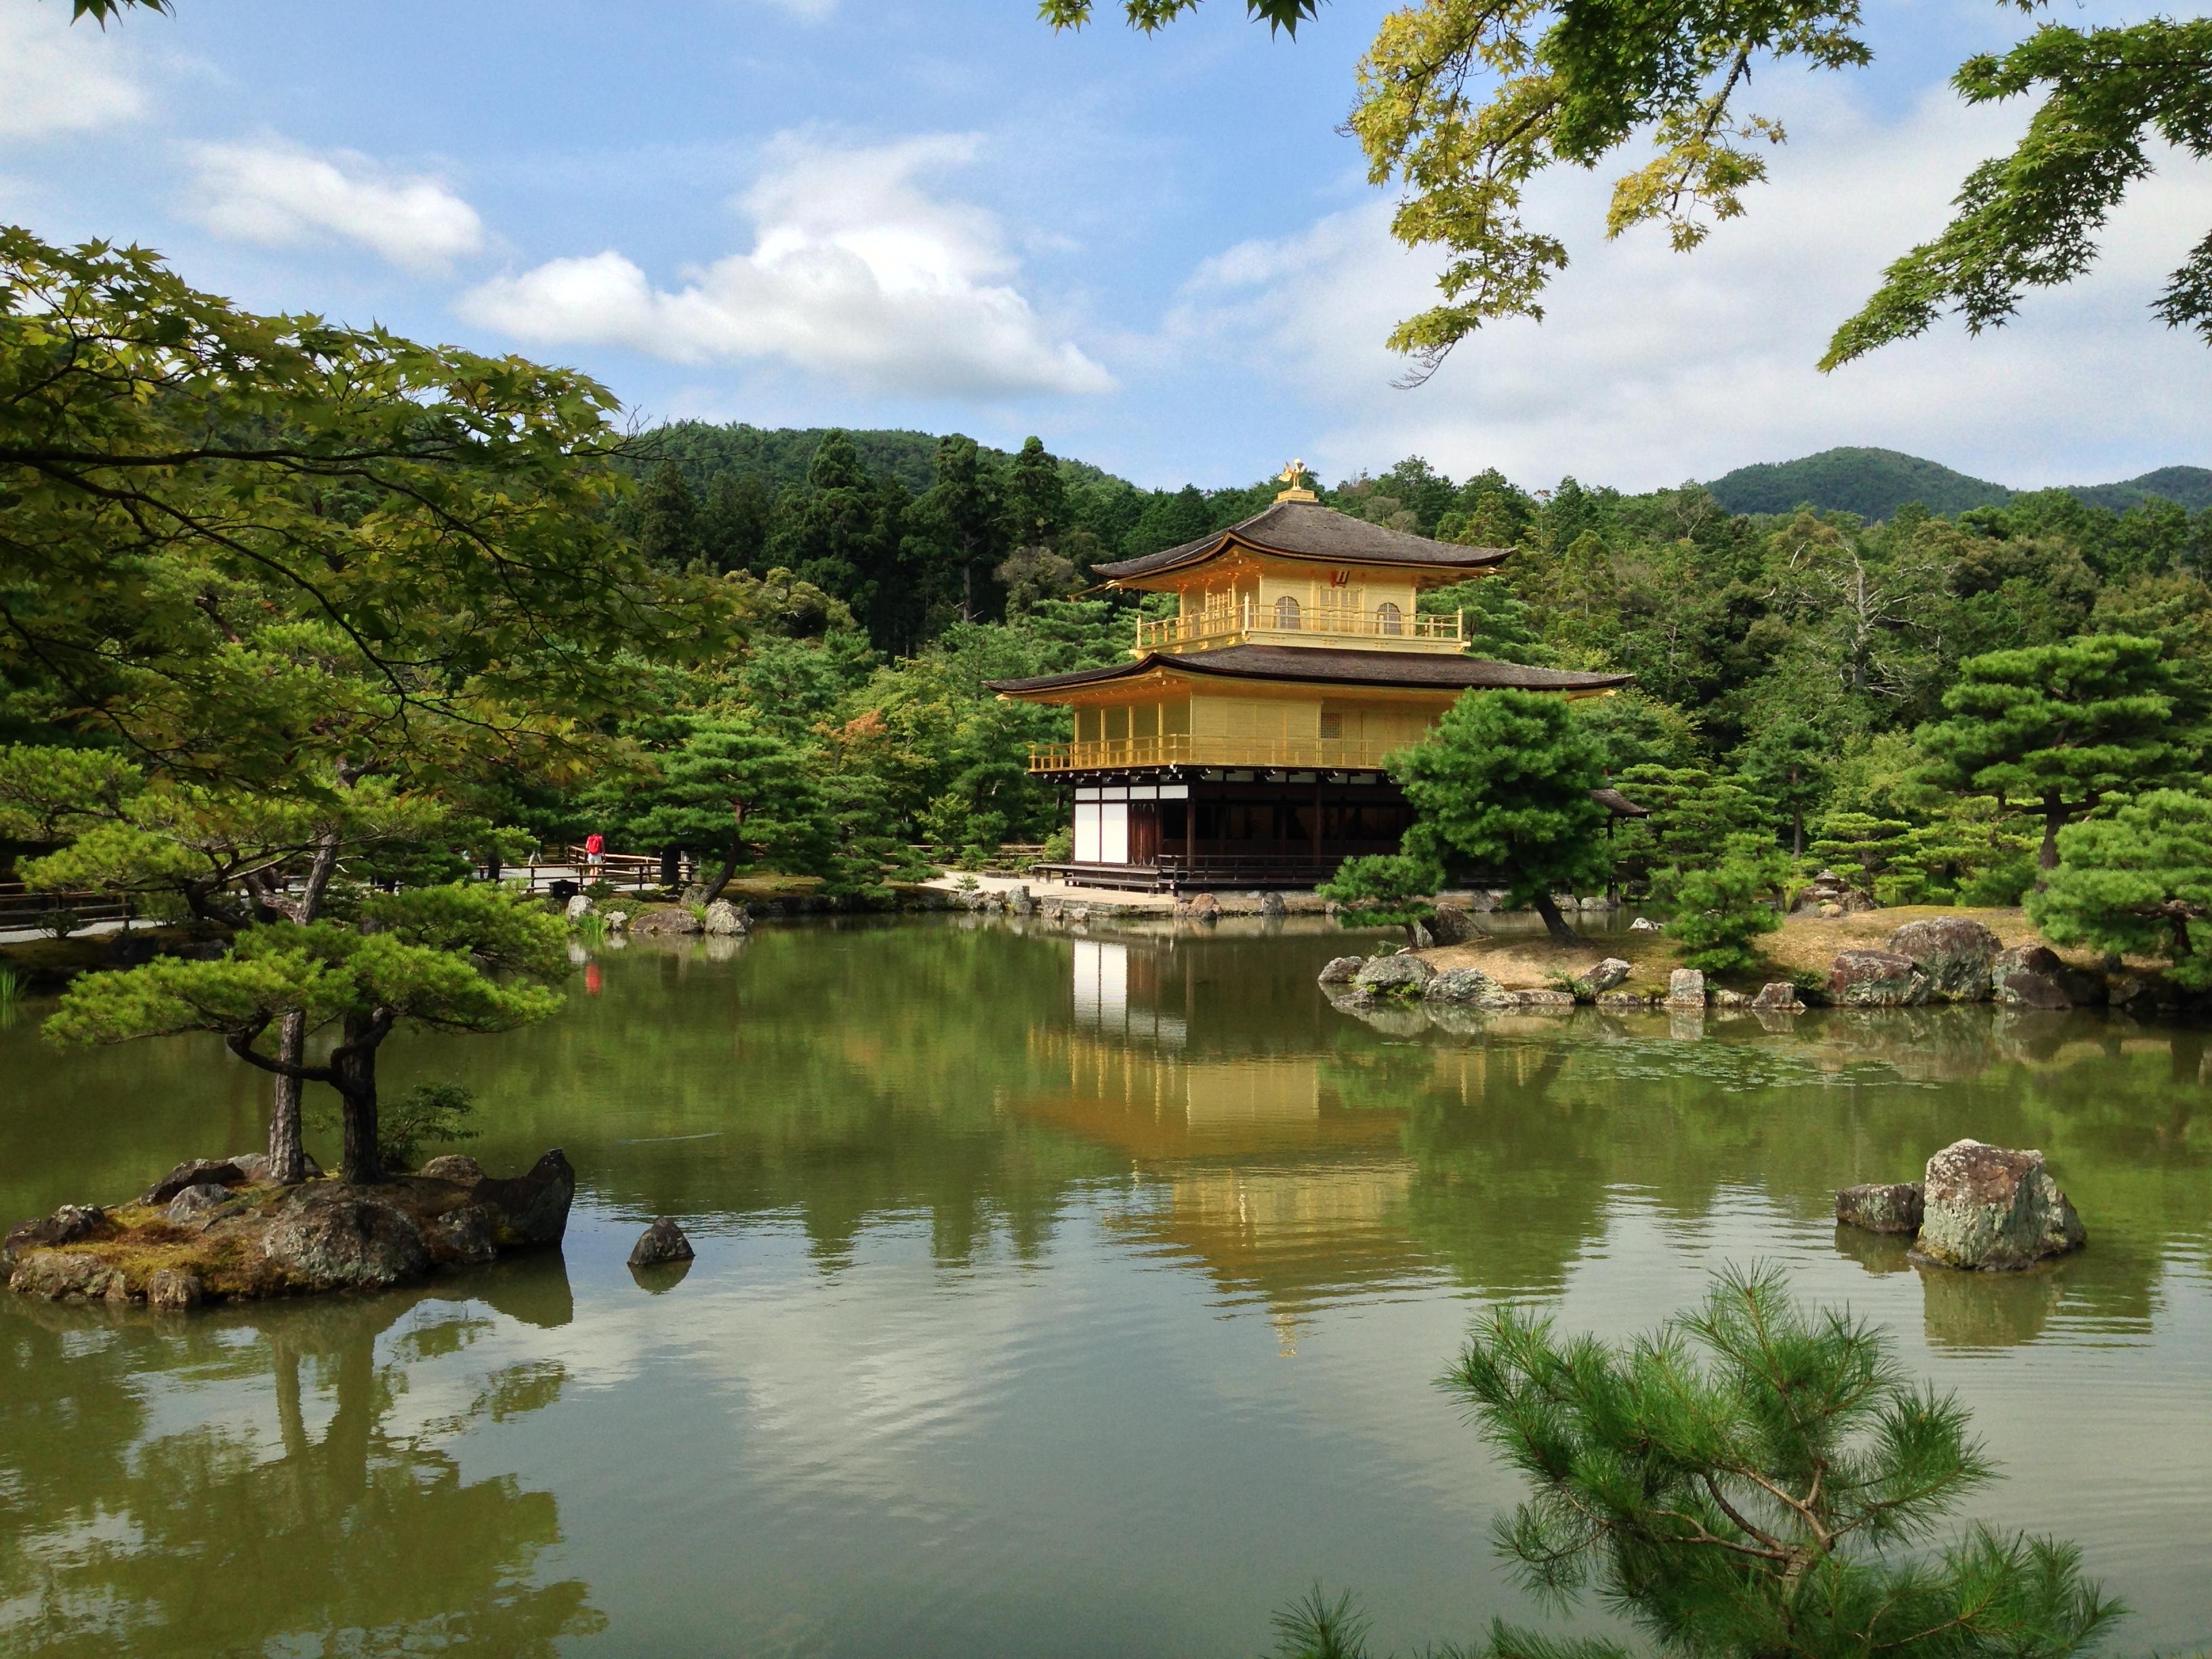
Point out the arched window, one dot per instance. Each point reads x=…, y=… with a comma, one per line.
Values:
x=1388, y=619
x=1286, y=613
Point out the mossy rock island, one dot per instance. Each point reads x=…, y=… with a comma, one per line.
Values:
x=212, y=1232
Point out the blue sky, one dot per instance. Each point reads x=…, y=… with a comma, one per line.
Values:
x=1157, y=253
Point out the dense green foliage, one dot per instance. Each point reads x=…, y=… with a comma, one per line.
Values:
x=2133, y=884
x=1502, y=785
x=1462, y=104
x=1749, y=1480
x=1722, y=905
x=1385, y=891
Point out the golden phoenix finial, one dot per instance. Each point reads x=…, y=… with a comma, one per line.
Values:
x=1293, y=477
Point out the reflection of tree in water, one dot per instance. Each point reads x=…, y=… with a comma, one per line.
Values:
x=347, y=1535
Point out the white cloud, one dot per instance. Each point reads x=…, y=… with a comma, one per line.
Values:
x=856, y=269
x=1653, y=367
x=284, y=196
x=54, y=78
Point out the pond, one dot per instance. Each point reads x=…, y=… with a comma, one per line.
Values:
x=1054, y=1295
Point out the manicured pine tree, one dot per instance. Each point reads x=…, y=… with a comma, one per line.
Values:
x=2134, y=883
x=1503, y=784
x=1749, y=1481
x=738, y=792
x=1721, y=905
x=1384, y=890
x=2054, y=729
x=462, y=958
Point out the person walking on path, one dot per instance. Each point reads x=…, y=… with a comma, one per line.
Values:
x=595, y=853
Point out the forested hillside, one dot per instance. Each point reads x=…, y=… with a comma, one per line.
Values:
x=1877, y=482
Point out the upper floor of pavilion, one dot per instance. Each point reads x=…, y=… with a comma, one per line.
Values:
x=1299, y=573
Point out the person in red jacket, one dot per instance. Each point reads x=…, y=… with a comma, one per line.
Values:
x=595, y=852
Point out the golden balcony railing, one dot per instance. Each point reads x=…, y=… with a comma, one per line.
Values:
x=1385, y=627
x=1273, y=754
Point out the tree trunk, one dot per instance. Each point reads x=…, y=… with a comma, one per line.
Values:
x=288, y=1158
x=2054, y=815
x=1798, y=835
x=722, y=876
x=354, y=1065
x=1554, y=923
x=671, y=866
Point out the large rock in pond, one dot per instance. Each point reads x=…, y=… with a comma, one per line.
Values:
x=1199, y=907
x=1994, y=1207
x=1955, y=953
x=1686, y=989
x=2033, y=976
x=1402, y=976
x=723, y=919
x=534, y=1206
x=663, y=1242
x=666, y=919
x=1881, y=1208
x=1779, y=996
x=1461, y=985
x=579, y=908
x=1341, y=970
x=334, y=1237
x=1877, y=979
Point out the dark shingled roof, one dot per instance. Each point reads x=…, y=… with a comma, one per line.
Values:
x=1403, y=670
x=1307, y=530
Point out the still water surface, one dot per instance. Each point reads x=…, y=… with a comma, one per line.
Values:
x=1053, y=1297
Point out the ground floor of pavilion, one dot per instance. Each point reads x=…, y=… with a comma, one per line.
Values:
x=1188, y=828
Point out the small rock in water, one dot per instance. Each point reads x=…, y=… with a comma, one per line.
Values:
x=1994, y=1207
x=1779, y=996
x=663, y=1241
x=723, y=918
x=174, y=1288
x=457, y=1167
x=673, y=919
x=1341, y=970
x=579, y=907
x=1383, y=976
x=1459, y=985
x=1606, y=974
x=1686, y=989
x=1271, y=905
x=1199, y=907
x=464, y=1237
x=1879, y=1207
x=1454, y=924
x=1622, y=1002
x=1643, y=925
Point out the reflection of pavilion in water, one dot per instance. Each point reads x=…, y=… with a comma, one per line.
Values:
x=1252, y=1166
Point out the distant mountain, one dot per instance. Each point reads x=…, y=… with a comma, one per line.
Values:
x=1875, y=483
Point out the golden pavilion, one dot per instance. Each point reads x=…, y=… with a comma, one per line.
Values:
x=1243, y=745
